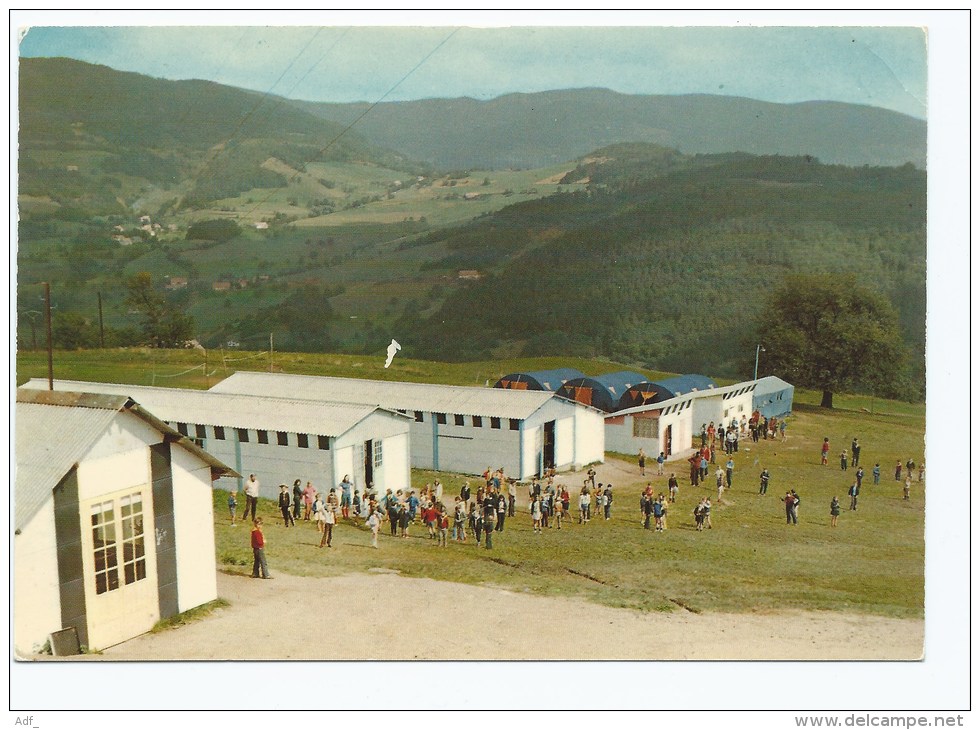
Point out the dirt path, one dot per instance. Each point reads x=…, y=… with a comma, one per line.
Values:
x=484, y=623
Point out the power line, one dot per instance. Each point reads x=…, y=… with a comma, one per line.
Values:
x=361, y=116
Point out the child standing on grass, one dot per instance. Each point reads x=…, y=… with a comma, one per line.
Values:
x=907, y=489
x=843, y=461
x=876, y=473
x=443, y=528
x=233, y=506
x=258, y=551
x=374, y=524
x=536, y=514
x=834, y=511
x=825, y=451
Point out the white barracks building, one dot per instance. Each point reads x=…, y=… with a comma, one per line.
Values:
x=455, y=428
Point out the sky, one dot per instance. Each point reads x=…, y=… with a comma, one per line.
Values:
x=448, y=55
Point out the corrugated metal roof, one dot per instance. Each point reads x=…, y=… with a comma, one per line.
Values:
x=76, y=421
x=461, y=399
x=210, y=408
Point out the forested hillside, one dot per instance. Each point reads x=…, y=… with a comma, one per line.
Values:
x=670, y=270
x=538, y=129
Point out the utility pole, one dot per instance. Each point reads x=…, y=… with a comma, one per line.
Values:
x=47, y=317
x=755, y=373
x=270, y=352
x=101, y=327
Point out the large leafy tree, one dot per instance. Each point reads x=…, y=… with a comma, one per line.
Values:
x=829, y=332
x=163, y=324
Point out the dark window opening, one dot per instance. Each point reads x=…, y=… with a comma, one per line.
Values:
x=515, y=424
x=477, y=421
x=494, y=422
x=182, y=428
x=323, y=442
x=219, y=433
x=201, y=431
x=302, y=440
x=419, y=418
x=283, y=438
x=441, y=418
x=242, y=435
x=458, y=419
x=263, y=437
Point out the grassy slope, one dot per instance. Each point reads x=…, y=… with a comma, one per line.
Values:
x=751, y=561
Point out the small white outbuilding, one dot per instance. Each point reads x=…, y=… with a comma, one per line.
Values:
x=113, y=520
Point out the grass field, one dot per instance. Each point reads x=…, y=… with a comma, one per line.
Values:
x=873, y=562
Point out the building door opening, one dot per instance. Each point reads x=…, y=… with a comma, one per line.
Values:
x=668, y=440
x=368, y=463
x=549, y=445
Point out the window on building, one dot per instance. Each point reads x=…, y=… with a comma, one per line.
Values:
x=283, y=438
x=440, y=418
x=263, y=436
x=302, y=440
x=112, y=530
x=494, y=422
x=104, y=547
x=515, y=424
x=133, y=548
x=741, y=407
x=645, y=428
x=201, y=431
x=219, y=433
x=378, y=458
x=242, y=435
x=182, y=428
x=477, y=421
x=323, y=442
x=458, y=419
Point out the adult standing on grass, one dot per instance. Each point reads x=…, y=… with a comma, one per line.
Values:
x=782, y=430
x=672, y=487
x=660, y=463
x=796, y=505
x=642, y=460
x=297, y=499
x=922, y=471
x=536, y=514
x=251, y=496
x=876, y=473
x=501, y=511
x=608, y=496
x=511, y=498
x=285, y=503
x=825, y=451
x=910, y=466
x=843, y=461
x=898, y=470
x=859, y=475
x=788, y=503
x=907, y=489
x=309, y=493
x=855, y=452
x=764, y=481
x=853, y=493
x=647, y=509
x=834, y=511
x=258, y=550
x=657, y=508
x=489, y=520
x=345, y=496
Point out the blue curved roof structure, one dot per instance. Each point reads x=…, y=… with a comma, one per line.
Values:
x=602, y=391
x=684, y=384
x=643, y=394
x=539, y=379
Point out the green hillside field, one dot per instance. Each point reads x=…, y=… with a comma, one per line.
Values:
x=750, y=561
